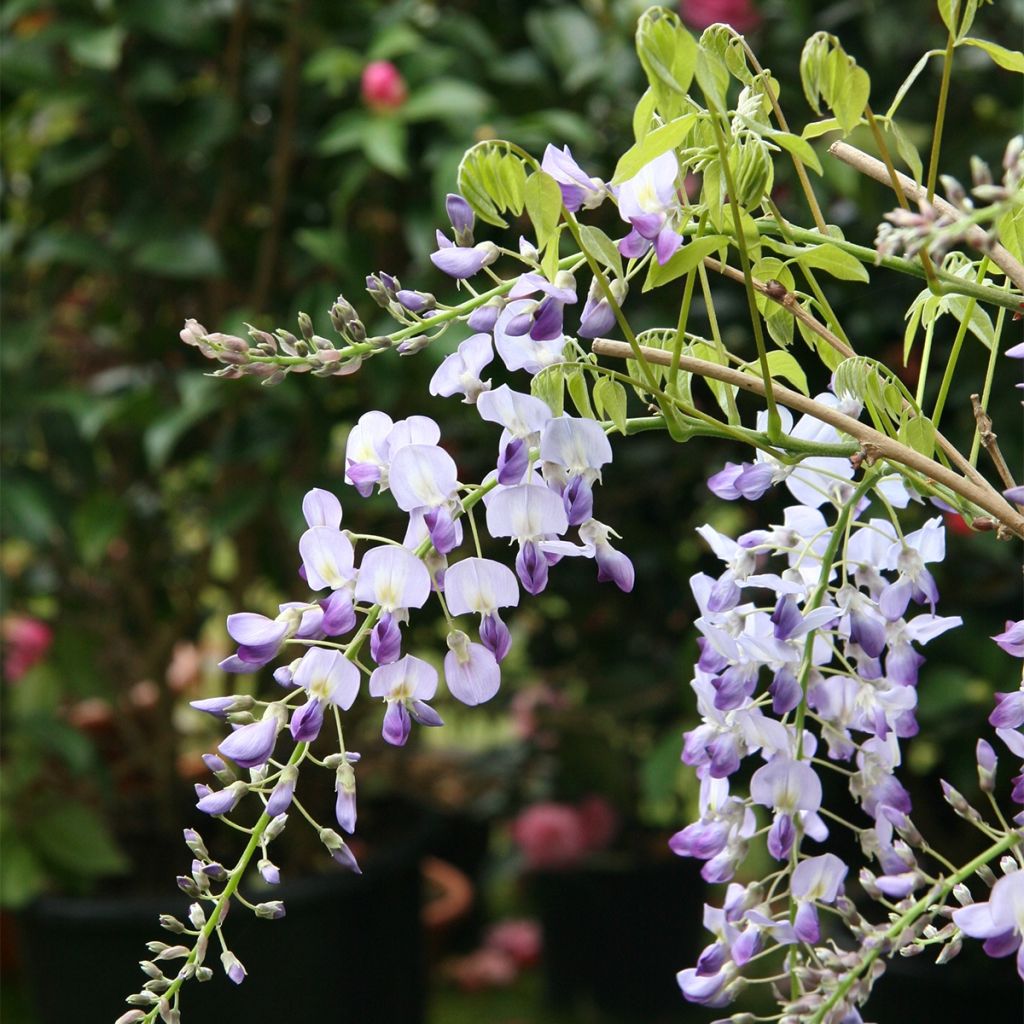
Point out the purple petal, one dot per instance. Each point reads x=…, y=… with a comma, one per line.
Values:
x=251, y=745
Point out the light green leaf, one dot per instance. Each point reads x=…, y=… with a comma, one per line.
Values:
x=186, y=253
x=543, y=200
x=910, y=79
x=447, y=99
x=548, y=387
x=918, y=432
x=851, y=98
x=73, y=837
x=576, y=383
x=1010, y=229
x=343, y=133
x=782, y=364
x=834, y=261
x=980, y=324
x=908, y=151
x=22, y=877
x=100, y=50
x=384, y=142
x=816, y=128
x=661, y=140
x=668, y=55
x=798, y=147
x=684, y=260
x=602, y=248
x=512, y=178
x=643, y=115
x=610, y=399
x=713, y=78
x=947, y=12
x=1012, y=60
x=96, y=522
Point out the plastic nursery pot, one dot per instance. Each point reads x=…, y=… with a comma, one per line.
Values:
x=616, y=934
x=349, y=948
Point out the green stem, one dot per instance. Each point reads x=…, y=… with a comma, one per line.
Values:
x=935, y=894
x=774, y=422
x=940, y=113
x=954, y=356
x=990, y=372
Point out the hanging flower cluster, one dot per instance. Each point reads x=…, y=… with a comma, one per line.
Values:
x=811, y=634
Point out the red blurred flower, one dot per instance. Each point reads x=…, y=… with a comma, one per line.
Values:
x=741, y=14
x=551, y=835
x=519, y=938
x=382, y=86
x=599, y=822
x=26, y=641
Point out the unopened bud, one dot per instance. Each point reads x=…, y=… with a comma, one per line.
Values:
x=150, y=969
x=962, y=895
x=173, y=953
x=411, y=346
x=305, y=326
x=189, y=887
x=232, y=967
x=131, y=1017
x=142, y=999
x=194, y=841
x=171, y=924
x=275, y=828
x=197, y=915
x=981, y=174
x=273, y=910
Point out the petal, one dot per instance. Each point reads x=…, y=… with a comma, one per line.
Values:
x=473, y=677
x=321, y=508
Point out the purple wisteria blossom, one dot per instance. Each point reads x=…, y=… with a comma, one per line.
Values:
x=579, y=190
x=424, y=478
x=523, y=417
x=530, y=515
x=482, y=586
x=999, y=920
x=405, y=686
x=396, y=580
x=329, y=678
x=513, y=339
x=647, y=202
x=460, y=373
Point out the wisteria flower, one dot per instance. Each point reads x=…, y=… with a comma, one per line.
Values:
x=529, y=515
x=482, y=586
x=329, y=678
x=999, y=920
x=578, y=188
x=646, y=201
x=460, y=372
x=405, y=685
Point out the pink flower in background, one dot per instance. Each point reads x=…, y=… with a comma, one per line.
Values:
x=26, y=641
x=741, y=14
x=551, y=835
x=599, y=820
x=382, y=86
x=518, y=938
x=483, y=969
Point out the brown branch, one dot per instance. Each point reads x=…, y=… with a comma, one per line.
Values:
x=788, y=300
x=987, y=436
x=977, y=236
x=875, y=444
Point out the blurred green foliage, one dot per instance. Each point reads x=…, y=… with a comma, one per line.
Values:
x=212, y=158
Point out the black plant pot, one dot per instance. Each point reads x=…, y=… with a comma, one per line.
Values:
x=615, y=936
x=350, y=949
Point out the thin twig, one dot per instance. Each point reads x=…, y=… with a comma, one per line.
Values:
x=977, y=236
x=874, y=443
x=989, y=442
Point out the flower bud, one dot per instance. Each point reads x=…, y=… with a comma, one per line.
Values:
x=232, y=967
x=987, y=761
x=204, y=973
x=142, y=999
x=194, y=841
x=197, y=915
x=270, y=911
x=171, y=924
x=150, y=969
x=173, y=953
x=382, y=86
x=275, y=828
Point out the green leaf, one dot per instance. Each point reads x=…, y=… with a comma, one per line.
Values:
x=816, y=128
x=602, y=248
x=947, y=12
x=782, y=364
x=643, y=115
x=661, y=140
x=22, y=876
x=96, y=522
x=908, y=151
x=1012, y=60
x=100, y=50
x=684, y=260
x=610, y=398
x=72, y=837
x=185, y=253
x=713, y=78
x=834, y=261
x=1010, y=228
x=512, y=179
x=576, y=383
x=543, y=200
x=910, y=79
x=851, y=98
x=798, y=147
x=980, y=324
x=918, y=432
x=548, y=387
x=344, y=133
x=384, y=143
x=668, y=55
x=447, y=99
